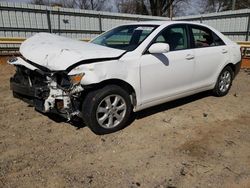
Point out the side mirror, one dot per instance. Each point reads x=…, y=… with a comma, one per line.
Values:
x=159, y=48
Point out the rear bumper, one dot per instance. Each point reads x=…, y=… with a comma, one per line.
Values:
x=237, y=68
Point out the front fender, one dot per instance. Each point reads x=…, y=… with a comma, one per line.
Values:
x=124, y=70
x=98, y=72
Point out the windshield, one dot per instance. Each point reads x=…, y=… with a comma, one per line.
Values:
x=127, y=37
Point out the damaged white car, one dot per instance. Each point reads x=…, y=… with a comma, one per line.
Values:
x=129, y=68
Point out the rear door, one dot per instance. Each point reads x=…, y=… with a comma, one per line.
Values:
x=211, y=54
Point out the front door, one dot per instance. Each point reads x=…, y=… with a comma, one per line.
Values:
x=167, y=74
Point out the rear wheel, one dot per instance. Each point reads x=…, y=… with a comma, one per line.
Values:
x=107, y=110
x=224, y=82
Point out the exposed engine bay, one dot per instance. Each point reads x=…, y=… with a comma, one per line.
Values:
x=54, y=92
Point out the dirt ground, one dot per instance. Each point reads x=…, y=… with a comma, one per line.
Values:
x=199, y=141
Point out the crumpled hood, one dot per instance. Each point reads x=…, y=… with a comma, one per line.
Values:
x=58, y=53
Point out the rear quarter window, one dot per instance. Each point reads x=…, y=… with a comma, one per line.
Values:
x=217, y=40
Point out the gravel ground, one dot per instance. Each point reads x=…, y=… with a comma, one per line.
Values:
x=199, y=141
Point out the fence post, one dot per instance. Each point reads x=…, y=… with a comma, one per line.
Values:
x=248, y=27
x=100, y=23
x=48, y=12
x=59, y=23
x=201, y=19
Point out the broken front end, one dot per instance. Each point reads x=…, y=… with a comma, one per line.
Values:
x=47, y=91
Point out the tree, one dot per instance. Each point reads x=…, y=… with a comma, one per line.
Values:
x=209, y=6
x=242, y=4
x=82, y=4
x=168, y=8
x=160, y=7
x=40, y=2
x=91, y=4
x=180, y=8
x=152, y=7
x=132, y=7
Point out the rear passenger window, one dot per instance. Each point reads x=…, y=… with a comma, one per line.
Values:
x=175, y=36
x=203, y=37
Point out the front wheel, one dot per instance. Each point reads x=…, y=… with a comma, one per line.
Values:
x=107, y=110
x=224, y=82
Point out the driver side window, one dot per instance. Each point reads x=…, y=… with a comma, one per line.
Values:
x=175, y=36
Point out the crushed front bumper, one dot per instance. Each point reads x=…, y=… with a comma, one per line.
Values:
x=30, y=94
x=33, y=92
x=43, y=92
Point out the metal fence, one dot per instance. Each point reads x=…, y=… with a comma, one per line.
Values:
x=23, y=20
x=234, y=24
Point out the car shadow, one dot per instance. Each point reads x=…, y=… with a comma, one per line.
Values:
x=163, y=58
x=247, y=71
x=78, y=123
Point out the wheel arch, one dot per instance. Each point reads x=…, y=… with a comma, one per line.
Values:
x=124, y=85
x=217, y=90
x=233, y=67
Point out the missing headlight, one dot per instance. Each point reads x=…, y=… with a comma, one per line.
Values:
x=63, y=80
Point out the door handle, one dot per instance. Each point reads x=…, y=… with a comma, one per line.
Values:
x=189, y=57
x=224, y=51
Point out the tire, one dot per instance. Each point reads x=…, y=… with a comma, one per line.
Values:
x=107, y=110
x=224, y=82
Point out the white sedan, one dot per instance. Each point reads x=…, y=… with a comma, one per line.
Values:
x=128, y=68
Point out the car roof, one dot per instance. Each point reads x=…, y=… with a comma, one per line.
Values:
x=167, y=22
